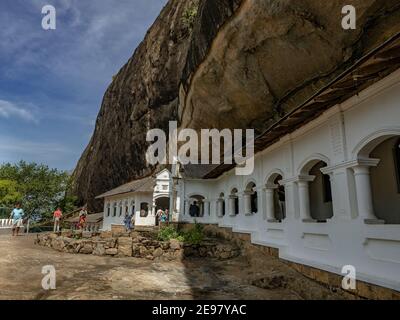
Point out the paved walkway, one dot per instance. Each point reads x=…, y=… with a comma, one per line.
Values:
x=92, y=277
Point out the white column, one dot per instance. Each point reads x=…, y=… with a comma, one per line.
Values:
x=364, y=195
x=232, y=205
x=270, y=204
x=153, y=208
x=187, y=206
x=260, y=201
x=247, y=203
x=206, y=208
x=304, y=200
x=220, y=207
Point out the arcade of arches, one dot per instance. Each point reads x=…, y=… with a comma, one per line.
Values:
x=315, y=190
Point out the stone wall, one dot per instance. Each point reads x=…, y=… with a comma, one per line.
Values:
x=134, y=244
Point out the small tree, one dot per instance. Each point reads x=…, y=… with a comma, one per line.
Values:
x=9, y=194
x=40, y=188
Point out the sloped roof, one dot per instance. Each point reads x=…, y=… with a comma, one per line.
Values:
x=197, y=171
x=141, y=185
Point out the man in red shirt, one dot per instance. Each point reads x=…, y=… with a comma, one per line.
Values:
x=57, y=218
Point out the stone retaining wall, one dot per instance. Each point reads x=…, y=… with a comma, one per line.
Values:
x=134, y=244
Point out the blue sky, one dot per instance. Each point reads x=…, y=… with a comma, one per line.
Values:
x=52, y=82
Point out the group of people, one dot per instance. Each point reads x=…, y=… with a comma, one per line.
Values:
x=162, y=216
x=80, y=225
x=18, y=217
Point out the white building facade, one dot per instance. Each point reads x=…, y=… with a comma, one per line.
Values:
x=140, y=198
x=326, y=195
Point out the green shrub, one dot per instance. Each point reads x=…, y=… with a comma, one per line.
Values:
x=189, y=16
x=195, y=235
x=167, y=233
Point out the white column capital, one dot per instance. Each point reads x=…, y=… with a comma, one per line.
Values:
x=270, y=186
x=246, y=193
x=365, y=162
x=304, y=178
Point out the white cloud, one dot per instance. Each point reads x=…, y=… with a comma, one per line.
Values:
x=11, y=110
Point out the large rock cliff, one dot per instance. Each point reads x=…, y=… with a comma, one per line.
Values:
x=223, y=64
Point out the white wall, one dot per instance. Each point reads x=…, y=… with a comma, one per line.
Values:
x=340, y=137
x=161, y=189
x=137, y=199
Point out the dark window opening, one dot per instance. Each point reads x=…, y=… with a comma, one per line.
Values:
x=327, y=188
x=144, y=209
x=236, y=206
x=254, y=204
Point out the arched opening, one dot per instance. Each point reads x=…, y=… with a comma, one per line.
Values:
x=162, y=203
x=221, y=205
x=279, y=200
x=276, y=199
x=126, y=208
x=234, y=202
x=196, y=208
x=250, y=199
x=115, y=209
x=385, y=181
x=120, y=208
x=161, y=206
x=320, y=192
x=108, y=209
x=144, y=209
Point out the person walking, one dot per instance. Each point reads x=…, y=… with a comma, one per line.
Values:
x=159, y=215
x=17, y=216
x=163, y=216
x=82, y=218
x=57, y=215
x=127, y=222
x=167, y=215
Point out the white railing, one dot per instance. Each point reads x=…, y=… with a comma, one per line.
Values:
x=6, y=223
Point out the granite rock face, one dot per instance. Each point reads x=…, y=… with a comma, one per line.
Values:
x=236, y=64
x=144, y=95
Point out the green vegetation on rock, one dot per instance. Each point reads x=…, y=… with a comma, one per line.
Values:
x=189, y=16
